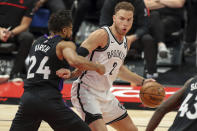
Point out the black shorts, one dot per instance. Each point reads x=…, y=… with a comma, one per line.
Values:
x=41, y=104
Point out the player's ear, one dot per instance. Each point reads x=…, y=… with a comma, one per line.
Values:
x=114, y=16
x=64, y=30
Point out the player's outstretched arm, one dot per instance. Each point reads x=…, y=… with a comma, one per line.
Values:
x=171, y=103
x=126, y=75
x=67, y=51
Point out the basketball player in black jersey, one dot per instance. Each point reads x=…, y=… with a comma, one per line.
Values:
x=42, y=99
x=186, y=118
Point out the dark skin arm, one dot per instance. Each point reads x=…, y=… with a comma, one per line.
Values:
x=97, y=38
x=66, y=50
x=170, y=104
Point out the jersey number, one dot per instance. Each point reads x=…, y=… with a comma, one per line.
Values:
x=114, y=66
x=42, y=69
x=186, y=111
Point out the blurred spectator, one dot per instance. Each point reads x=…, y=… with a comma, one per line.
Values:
x=43, y=9
x=157, y=32
x=162, y=25
x=68, y=4
x=15, y=18
x=52, y=5
x=86, y=10
x=191, y=28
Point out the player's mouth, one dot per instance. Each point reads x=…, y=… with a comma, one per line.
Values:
x=124, y=30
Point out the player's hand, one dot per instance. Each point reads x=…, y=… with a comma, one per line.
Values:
x=148, y=80
x=63, y=73
x=4, y=34
x=100, y=68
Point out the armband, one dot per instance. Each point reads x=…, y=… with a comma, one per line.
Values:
x=82, y=51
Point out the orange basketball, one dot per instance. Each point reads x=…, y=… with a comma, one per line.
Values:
x=152, y=94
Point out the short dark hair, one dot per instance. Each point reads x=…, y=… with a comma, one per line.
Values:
x=125, y=6
x=59, y=20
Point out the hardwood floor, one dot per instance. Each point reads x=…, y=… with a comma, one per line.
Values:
x=139, y=117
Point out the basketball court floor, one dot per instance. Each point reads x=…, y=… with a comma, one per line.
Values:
x=128, y=96
x=139, y=117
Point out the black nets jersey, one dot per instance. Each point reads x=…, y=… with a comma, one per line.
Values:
x=44, y=63
x=186, y=119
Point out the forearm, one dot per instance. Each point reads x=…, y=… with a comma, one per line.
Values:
x=83, y=64
x=155, y=120
x=21, y=28
x=126, y=75
x=172, y=3
x=152, y=4
x=76, y=73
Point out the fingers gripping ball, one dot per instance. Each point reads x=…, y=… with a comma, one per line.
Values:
x=152, y=94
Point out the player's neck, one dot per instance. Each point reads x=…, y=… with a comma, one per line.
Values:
x=118, y=36
x=52, y=34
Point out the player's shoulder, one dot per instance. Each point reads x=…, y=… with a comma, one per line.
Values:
x=66, y=44
x=99, y=33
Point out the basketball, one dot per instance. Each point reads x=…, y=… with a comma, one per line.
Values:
x=152, y=94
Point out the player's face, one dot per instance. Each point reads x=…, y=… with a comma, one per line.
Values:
x=123, y=21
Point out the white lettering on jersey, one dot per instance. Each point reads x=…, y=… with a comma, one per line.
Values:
x=41, y=47
x=186, y=110
x=193, y=86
